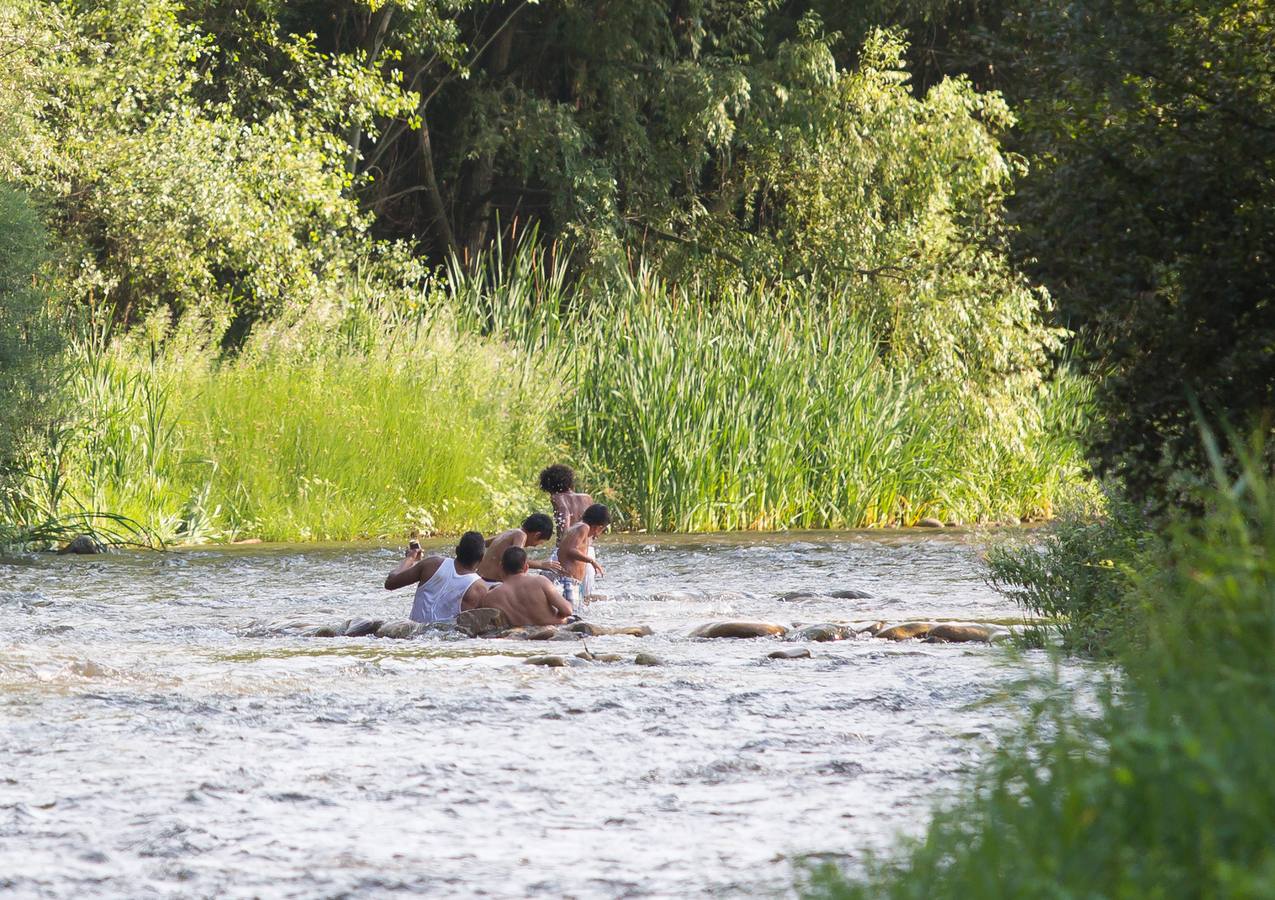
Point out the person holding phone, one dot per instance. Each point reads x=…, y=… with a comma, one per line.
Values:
x=444, y=585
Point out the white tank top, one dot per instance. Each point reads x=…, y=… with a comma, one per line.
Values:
x=438, y=599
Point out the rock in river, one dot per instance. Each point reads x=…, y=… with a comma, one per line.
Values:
x=555, y=662
x=648, y=659
x=905, y=631
x=593, y=630
x=401, y=630
x=738, y=630
x=601, y=657
x=851, y=594
x=952, y=632
x=529, y=633
x=477, y=622
x=791, y=653
x=825, y=632
x=82, y=543
x=802, y=595
x=362, y=627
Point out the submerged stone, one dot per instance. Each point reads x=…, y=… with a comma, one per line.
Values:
x=82, y=544
x=594, y=630
x=791, y=653
x=824, y=632
x=905, y=631
x=363, y=627
x=555, y=662
x=648, y=659
x=870, y=628
x=601, y=657
x=526, y=633
x=738, y=630
x=481, y=621
x=792, y=596
x=326, y=631
x=850, y=594
x=401, y=630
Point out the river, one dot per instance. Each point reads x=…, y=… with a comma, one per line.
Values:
x=157, y=741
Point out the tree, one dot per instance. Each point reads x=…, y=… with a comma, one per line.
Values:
x=1150, y=214
x=30, y=343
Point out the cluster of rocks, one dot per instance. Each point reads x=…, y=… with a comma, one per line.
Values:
x=491, y=623
x=930, y=632
x=587, y=658
x=474, y=623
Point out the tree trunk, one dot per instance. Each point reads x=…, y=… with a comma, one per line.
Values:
x=375, y=40
x=434, y=206
x=485, y=168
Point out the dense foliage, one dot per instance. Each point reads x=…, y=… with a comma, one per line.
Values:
x=233, y=172
x=1150, y=214
x=1166, y=792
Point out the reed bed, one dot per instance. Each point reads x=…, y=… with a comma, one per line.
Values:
x=417, y=428
x=690, y=407
x=707, y=407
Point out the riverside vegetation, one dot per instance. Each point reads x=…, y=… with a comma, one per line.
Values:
x=266, y=270
x=252, y=351
x=1165, y=791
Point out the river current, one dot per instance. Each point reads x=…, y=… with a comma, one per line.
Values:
x=157, y=740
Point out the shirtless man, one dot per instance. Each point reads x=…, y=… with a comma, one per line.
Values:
x=526, y=599
x=575, y=553
x=568, y=506
x=443, y=586
x=535, y=530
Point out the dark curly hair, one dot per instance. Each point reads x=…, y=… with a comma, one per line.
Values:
x=538, y=523
x=557, y=478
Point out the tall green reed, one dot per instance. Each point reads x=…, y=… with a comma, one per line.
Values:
x=705, y=406
x=364, y=426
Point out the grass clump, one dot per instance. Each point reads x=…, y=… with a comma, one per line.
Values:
x=404, y=425
x=1170, y=790
x=1078, y=574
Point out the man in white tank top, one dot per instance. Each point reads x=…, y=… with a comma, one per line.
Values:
x=443, y=586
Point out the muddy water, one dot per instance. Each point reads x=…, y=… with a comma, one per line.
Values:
x=155, y=741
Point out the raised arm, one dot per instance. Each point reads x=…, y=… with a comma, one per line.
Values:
x=412, y=569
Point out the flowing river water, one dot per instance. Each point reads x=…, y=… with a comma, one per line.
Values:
x=157, y=740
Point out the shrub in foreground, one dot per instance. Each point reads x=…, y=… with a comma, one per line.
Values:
x=1170, y=791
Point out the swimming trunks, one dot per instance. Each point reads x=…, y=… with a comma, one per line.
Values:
x=570, y=590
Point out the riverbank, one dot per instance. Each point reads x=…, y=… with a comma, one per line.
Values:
x=379, y=426
x=1164, y=789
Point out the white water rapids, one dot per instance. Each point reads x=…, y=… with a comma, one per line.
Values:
x=154, y=742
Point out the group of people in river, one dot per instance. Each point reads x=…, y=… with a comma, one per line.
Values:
x=495, y=572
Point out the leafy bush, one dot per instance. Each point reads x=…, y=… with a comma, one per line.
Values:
x=29, y=340
x=30, y=353
x=1149, y=214
x=1170, y=791
x=1078, y=573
